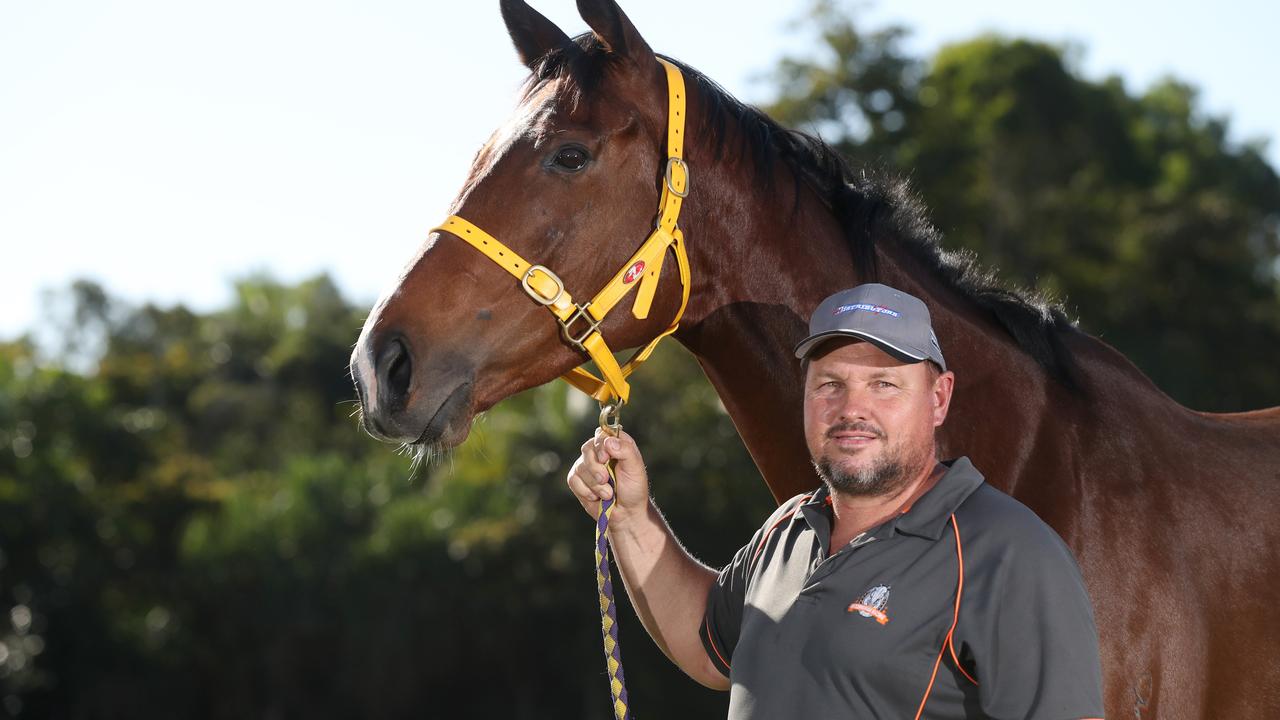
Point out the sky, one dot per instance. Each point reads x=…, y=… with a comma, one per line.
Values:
x=166, y=148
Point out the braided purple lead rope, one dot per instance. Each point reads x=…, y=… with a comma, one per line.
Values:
x=604, y=586
x=608, y=613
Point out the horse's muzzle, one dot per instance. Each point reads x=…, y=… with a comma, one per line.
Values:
x=404, y=400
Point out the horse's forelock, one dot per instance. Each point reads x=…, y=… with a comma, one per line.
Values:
x=582, y=65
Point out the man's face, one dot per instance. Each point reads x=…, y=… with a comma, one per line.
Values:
x=869, y=418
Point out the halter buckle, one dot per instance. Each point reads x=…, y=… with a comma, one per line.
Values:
x=688, y=179
x=593, y=326
x=537, y=296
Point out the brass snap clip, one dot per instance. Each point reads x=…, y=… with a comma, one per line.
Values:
x=610, y=420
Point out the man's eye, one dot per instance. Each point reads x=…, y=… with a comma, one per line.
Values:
x=571, y=158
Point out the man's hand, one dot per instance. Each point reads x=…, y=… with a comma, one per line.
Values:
x=668, y=588
x=589, y=479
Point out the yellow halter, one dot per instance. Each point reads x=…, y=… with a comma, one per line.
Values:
x=580, y=323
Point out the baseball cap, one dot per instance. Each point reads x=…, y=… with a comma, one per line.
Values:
x=890, y=319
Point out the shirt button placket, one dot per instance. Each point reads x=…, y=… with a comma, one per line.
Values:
x=824, y=566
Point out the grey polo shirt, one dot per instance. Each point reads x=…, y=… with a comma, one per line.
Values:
x=857, y=634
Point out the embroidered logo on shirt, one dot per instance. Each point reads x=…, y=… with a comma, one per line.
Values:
x=872, y=604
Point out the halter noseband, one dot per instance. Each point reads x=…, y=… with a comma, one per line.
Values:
x=580, y=322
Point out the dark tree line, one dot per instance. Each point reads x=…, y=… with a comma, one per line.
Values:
x=1159, y=234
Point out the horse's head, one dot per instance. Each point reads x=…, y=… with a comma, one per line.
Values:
x=570, y=182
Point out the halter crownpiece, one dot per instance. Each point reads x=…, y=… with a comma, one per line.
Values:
x=580, y=322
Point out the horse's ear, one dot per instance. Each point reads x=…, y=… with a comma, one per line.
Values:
x=532, y=33
x=612, y=27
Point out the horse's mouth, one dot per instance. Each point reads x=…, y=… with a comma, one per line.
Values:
x=446, y=428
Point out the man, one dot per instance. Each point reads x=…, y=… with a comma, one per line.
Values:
x=902, y=587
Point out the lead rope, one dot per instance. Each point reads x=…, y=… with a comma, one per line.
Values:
x=611, y=426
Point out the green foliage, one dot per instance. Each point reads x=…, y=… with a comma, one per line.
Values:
x=195, y=527
x=1160, y=234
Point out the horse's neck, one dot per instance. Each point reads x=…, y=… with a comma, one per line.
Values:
x=762, y=272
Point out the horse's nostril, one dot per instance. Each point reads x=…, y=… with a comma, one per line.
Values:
x=397, y=369
x=399, y=374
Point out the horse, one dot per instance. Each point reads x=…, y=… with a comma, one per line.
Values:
x=1169, y=511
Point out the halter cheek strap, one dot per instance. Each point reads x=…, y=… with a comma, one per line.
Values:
x=580, y=322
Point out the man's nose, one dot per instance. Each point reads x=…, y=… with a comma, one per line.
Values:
x=852, y=406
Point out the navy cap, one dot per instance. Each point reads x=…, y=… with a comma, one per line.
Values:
x=890, y=319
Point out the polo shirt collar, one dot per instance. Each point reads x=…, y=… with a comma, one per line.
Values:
x=927, y=517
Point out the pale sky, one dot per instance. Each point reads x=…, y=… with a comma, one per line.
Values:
x=164, y=148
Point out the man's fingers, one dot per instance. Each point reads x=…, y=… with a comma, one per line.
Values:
x=621, y=448
x=591, y=450
x=586, y=498
x=604, y=490
x=590, y=483
x=589, y=479
x=581, y=488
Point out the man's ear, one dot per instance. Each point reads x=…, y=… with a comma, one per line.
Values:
x=941, y=393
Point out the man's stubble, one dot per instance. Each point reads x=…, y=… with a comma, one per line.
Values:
x=886, y=475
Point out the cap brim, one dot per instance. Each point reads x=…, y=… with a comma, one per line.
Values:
x=907, y=355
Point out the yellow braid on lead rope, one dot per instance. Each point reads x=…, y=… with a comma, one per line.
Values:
x=612, y=427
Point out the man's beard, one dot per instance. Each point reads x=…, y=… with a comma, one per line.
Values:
x=885, y=476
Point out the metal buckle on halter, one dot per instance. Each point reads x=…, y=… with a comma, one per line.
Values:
x=688, y=179
x=537, y=296
x=593, y=326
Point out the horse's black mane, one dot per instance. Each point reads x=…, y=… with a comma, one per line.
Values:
x=873, y=206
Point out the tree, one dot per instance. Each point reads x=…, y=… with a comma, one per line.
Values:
x=192, y=525
x=1161, y=235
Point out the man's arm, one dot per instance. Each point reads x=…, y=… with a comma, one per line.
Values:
x=667, y=586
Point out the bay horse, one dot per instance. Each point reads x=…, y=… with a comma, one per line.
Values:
x=1171, y=512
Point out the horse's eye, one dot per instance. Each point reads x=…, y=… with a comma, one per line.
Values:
x=571, y=158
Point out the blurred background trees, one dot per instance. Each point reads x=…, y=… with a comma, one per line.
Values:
x=1159, y=234
x=191, y=524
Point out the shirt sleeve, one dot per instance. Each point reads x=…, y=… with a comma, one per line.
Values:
x=723, y=616
x=725, y=600
x=1026, y=630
